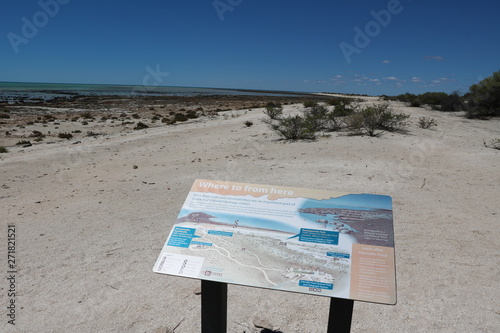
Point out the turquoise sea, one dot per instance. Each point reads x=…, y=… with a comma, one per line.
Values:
x=12, y=91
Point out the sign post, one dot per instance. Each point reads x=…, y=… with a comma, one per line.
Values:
x=213, y=307
x=340, y=315
x=325, y=243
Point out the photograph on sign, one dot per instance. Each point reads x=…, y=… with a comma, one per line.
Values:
x=292, y=239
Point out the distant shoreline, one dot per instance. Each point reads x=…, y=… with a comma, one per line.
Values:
x=20, y=91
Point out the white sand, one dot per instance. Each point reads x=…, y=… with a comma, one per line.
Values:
x=89, y=226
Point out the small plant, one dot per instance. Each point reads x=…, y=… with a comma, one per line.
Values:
x=376, y=118
x=310, y=104
x=339, y=116
x=64, y=135
x=317, y=117
x=136, y=116
x=415, y=103
x=273, y=111
x=87, y=115
x=140, y=125
x=340, y=100
x=37, y=134
x=85, y=122
x=293, y=128
x=180, y=117
x=248, y=123
x=495, y=144
x=4, y=116
x=426, y=122
x=23, y=142
x=191, y=114
x=3, y=150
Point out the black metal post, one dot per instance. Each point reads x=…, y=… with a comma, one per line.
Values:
x=340, y=317
x=213, y=307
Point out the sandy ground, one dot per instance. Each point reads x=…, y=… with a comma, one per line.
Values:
x=91, y=219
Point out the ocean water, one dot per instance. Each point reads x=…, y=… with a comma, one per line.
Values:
x=12, y=91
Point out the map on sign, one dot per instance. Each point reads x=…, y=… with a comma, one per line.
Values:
x=292, y=239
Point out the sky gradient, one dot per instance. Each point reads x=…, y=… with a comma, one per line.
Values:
x=346, y=46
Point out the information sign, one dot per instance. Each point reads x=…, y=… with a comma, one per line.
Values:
x=292, y=239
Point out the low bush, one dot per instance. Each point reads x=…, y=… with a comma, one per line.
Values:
x=273, y=111
x=3, y=150
x=340, y=100
x=310, y=104
x=191, y=114
x=495, y=144
x=377, y=118
x=293, y=128
x=37, y=134
x=63, y=135
x=140, y=125
x=317, y=117
x=180, y=117
x=87, y=115
x=370, y=120
x=248, y=123
x=4, y=116
x=415, y=103
x=426, y=122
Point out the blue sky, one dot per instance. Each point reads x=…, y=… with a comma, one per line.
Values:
x=422, y=46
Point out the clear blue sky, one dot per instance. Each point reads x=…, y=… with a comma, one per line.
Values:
x=439, y=45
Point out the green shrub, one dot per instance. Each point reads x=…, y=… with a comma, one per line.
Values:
x=426, y=122
x=415, y=103
x=340, y=100
x=248, y=123
x=376, y=118
x=140, y=125
x=483, y=99
x=180, y=117
x=191, y=114
x=273, y=111
x=453, y=102
x=338, y=117
x=63, y=135
x=272, y=105
x=317, y=117
x=87, y=115
x=37, y=134
x=310, y=104
x=3, y=150
x=293, y=128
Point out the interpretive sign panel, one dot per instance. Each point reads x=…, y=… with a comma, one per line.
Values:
x=293, y=239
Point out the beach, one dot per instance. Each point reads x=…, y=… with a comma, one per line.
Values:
x=91, y=213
